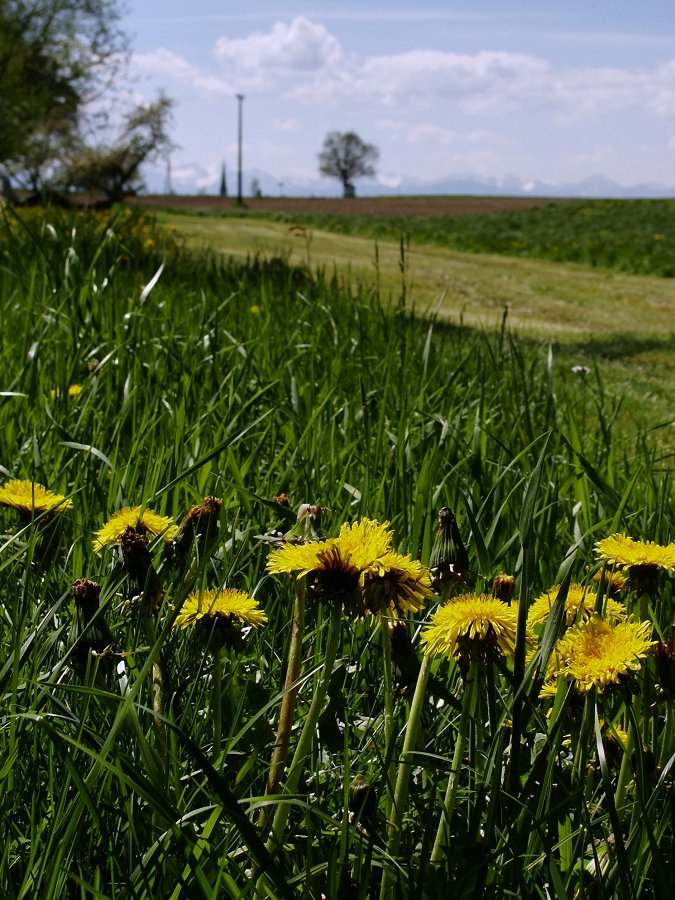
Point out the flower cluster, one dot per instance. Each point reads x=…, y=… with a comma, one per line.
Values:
x=358, y=569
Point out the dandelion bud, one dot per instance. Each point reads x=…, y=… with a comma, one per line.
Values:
x=503, y=587
x=89, y=633
x=200, y=524
x=449, y=562
x=85, y=593
x=138, y=563
x=362, y=799
x=664, y=654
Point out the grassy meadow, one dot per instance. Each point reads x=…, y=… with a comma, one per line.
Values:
x=242, y=653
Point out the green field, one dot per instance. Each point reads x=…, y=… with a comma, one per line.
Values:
x=522, y=756
x=618, y=324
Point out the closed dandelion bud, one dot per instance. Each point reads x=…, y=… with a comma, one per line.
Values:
x=664, y=653
x=503, y=587
x=89, y=633
x=200, y=524
x=138, y=563
x=449, y=562
x=645, y=579
x=405, y=661
x=362, y=799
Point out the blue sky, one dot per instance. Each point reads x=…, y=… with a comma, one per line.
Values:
x=556, y=92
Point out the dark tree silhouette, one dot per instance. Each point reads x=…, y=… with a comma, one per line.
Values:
x=346, y=157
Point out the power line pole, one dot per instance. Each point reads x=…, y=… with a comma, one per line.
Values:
x=240, y=99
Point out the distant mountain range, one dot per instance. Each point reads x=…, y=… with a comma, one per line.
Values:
x=465, y=184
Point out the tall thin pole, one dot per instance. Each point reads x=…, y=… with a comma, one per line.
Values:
x=240, y=98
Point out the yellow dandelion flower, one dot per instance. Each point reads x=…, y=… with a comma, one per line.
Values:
x=624, y=551
x=471, y=620
x=614, y=580
x=225, y=603
x=599, y=653
x=395, y=585
x=578, y=603
x=74, y=390
x=359, y=569
x=144, y=520
x=31, y=498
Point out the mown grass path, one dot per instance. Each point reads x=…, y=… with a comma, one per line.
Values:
x=625, y=321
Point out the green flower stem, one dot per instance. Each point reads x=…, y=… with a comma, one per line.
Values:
x=583, y=736
x=308, y=733
x=625, y=771
x=468, y=707
x=388, y=714
x=158, y=679
x=400, y=803
x=217, y=701
x=666, y=737
x=287, y=712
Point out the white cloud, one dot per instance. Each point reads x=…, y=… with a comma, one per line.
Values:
x=299, y=46
x=164, y=62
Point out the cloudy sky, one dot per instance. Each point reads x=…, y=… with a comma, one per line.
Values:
x=550, y=91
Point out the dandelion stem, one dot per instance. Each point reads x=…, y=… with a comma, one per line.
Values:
x=404, y=771
x=388, y=713
x=287, y=712
x=626, y=766
x=309, y=728
x=217, y=701
x=468, y=707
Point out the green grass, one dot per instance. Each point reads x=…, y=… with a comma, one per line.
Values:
x=204, y=374
x=621, y=325
x=636, y=236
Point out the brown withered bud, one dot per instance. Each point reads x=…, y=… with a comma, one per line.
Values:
x=89, y=633
x=139, y=567
x=86, y=593
x=503, y=587
x=282, y=500
x=362, y=799
x=664, y=656
x=645, y=579
x=200, y=524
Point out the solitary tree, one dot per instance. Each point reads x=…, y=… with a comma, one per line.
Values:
x=345, y=156
x=55, y=56
x=113, y=169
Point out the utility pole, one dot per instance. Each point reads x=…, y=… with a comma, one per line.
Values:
x=240, y=99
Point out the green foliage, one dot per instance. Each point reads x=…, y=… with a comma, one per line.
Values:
x=242, y=380
x=626, y=235
x=54, y=55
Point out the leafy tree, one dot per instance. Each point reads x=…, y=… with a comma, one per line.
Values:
x=55, y=57
x=113, y=170
x=345, y=156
